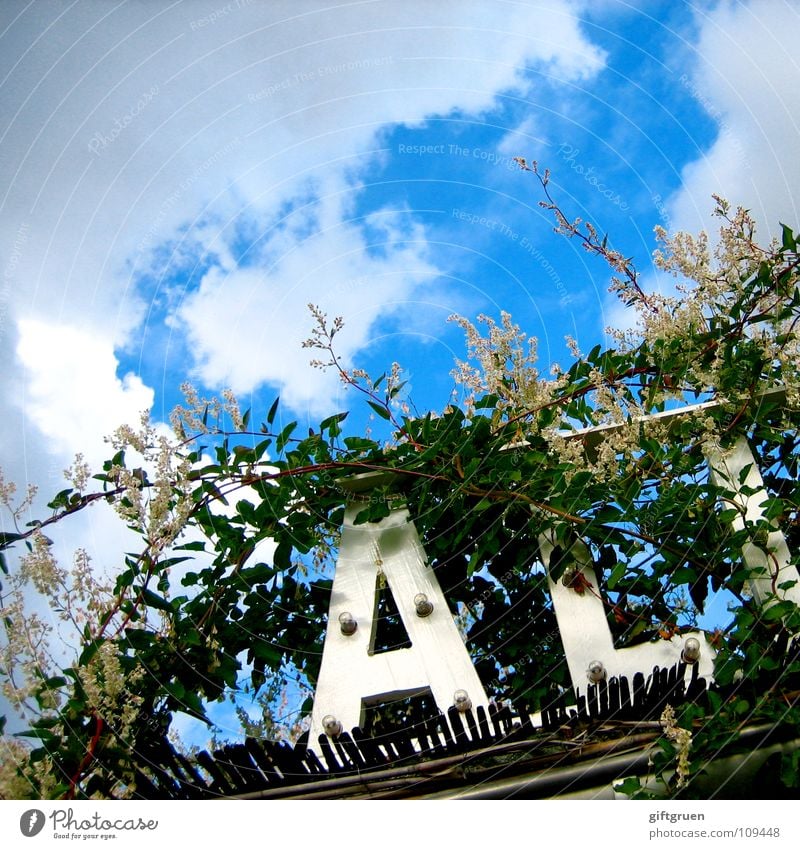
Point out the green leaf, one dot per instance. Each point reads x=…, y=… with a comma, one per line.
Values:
x=272, y=655
x=38, y=734
x=381, y=411
x=486, y=402
x=777, y=611
x=61, y=499
x=699, y=592
x=285, y=434
x=6, y=539
x=560, y=558
x=174, y=689
x=358, y=443
x=617, y=574
x=714, y=701
x=152, y=599
x=790, y=768
x=475, y=562
x=139, y=639
x=331, y=424
x=628, y=786
x=788, y=239
x=195, y=545
x=272, y=410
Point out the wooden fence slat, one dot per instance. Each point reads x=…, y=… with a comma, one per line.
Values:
x=262, y=759
x=472, y=725
x=145, y=789
x=291, y=761
x=327, y=753
x=525, y=728
x=445, y=732
x=638, y=701
x=257, y=764
x=625, y=701
x=592, y=702
x=353, y=754
x=369, y=749
x=313, y=762
x=401, y=740
x=461, y=741
x=438, y=745
x=494, y=716
x=220, y=782
x=506, y=719
x=483, y=724
x=602, y=694
x=239, y=773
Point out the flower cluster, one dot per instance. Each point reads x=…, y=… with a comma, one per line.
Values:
x=199, y=415
x=110, y=690
x=681, y=738
x=79, y=473
x=8, y=491
x=506, y=366
x=156, y=497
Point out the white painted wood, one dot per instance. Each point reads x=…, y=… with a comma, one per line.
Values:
x=586, y=636
x=437, y=658
x=772, y=566
x=581, y=619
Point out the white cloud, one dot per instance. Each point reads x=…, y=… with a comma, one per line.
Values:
x=246, y=326
x=72, y=393
x=125, y=128
x=523, y=139
x=746, y=77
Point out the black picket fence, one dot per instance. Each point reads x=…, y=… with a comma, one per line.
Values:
x=258, y=765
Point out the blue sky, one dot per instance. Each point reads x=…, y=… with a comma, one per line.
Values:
x=180, y=179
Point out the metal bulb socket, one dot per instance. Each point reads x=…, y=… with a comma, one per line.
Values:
x=691, y=650
x=462, y=701
x=331, y=725
x=422, y=605
x=347, y=624
x=596, y=672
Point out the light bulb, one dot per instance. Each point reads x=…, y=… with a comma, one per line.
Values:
x=332, y=726
x=596, y=672
x=423, y=606
x=691, y=650
x=462, y=701
x=347, y=624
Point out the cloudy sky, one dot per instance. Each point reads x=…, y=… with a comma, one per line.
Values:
x=179, y=179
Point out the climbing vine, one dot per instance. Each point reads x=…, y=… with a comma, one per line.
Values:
x=238, y=514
